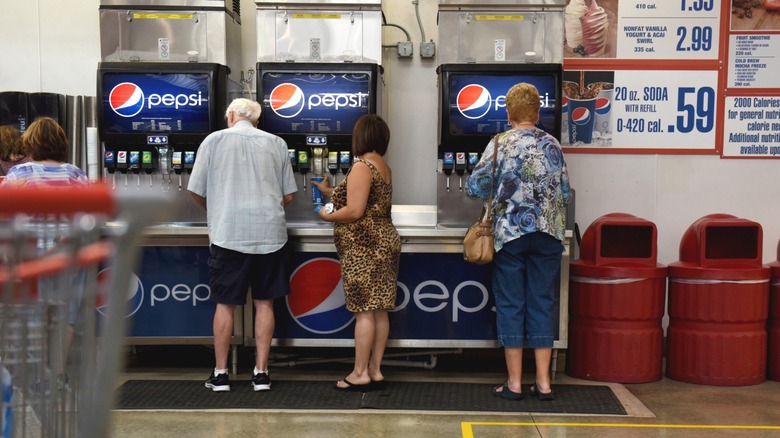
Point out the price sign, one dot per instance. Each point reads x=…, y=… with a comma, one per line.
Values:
x=668, y=29
x=664, y=109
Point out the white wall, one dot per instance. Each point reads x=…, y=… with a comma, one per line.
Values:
x=53, y=46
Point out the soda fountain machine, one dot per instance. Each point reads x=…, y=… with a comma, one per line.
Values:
x=152, y=117
x=484, y=49
x=314, y=107
x=319, y=69
x=169, y=68
x=472, y=99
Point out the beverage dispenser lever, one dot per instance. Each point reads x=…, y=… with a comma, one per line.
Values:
x=189, y=163
x=147, y=165
x=460, y=168
x=448, y=163
x=303, y=165
x=121, y=164
x=472, y=161
x=333, y=165
x=176, y=164
x=164, y=158
x=345, y=161
x=135, y=166
x=109, y=164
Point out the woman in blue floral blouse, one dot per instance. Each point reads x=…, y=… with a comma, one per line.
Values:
x=531, y=191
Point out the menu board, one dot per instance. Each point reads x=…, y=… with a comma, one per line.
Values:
x=672, y=76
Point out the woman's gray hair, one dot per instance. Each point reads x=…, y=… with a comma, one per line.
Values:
x=246, y=108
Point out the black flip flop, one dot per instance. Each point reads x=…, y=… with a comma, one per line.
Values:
x=543, y=396
x=506, y=393
x=351, y=387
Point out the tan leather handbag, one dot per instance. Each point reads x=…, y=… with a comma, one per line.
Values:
x=478, y=243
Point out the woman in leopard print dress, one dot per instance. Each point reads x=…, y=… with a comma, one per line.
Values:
x=368, y=246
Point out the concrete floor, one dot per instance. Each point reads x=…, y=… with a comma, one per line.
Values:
x=665, y=408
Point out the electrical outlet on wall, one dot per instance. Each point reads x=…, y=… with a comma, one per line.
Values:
x=427, y=50
x=405, y=49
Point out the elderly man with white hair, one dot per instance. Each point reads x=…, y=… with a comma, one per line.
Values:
x=243, y=178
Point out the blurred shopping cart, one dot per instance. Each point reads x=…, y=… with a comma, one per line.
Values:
x=58, y=361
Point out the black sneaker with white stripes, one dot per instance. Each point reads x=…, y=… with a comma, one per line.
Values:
x=218, y=383
x=261, y=382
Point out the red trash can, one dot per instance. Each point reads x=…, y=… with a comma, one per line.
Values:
x=773, y=326
x=718, y=304
x=616, y=303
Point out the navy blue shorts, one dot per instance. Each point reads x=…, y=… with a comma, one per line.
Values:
x=232, y=273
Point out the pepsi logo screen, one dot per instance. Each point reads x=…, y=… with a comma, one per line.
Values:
x=156, y=103
x=477, y=102
x=307, y=103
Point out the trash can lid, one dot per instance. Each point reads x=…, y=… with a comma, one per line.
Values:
x=725, y=272
x=620, y=238
x=717, y=240
x=586, y=268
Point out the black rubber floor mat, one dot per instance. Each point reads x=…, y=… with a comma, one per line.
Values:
x=569, y=399
x=192, y=394
x=415, y=396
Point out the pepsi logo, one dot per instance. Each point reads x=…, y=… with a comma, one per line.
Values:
x=316, y=301
x=581, y=116
x=126, y=99
x=134, y=294
x=474, y=101
x=564, y=104
x=287, y=100
x=603, y=106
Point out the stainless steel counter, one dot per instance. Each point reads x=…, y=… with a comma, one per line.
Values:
x=416, y=225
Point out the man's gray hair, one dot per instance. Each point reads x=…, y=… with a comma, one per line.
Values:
x=246, y=108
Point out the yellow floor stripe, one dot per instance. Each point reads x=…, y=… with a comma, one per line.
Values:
x=467, y=427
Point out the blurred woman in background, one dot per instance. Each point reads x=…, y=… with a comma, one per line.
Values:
x=11, y=151
x=46, y=145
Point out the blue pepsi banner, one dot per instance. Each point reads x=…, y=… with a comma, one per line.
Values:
x=439, y=297
x=155, y=103
x=314, y=103
x=169, y=294
x=477, y=101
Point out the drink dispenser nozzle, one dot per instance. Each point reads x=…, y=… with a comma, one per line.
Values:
x=448, y=164
x=460, y=168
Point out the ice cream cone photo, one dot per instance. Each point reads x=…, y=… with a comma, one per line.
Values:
x=590, y=28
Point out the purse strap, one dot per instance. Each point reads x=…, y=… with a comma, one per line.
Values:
x=489, y=208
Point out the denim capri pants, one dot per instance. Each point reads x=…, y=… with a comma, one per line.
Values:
x=525, y=273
